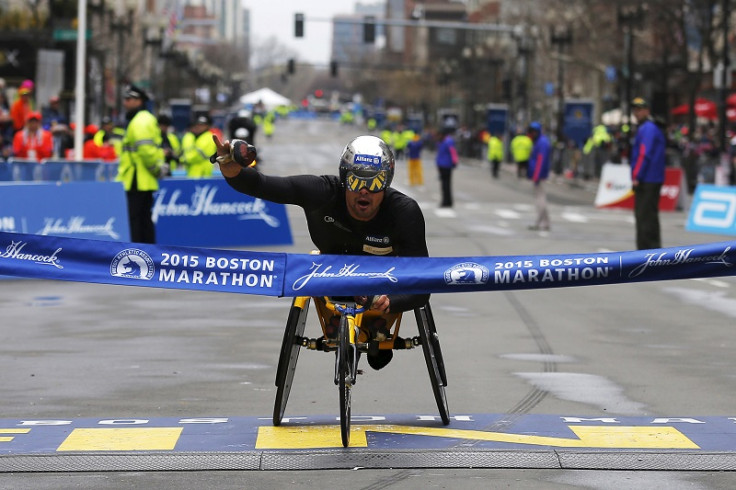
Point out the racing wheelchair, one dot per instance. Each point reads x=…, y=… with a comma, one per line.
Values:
x=348, y=330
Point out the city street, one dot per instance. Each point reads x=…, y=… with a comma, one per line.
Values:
x=647, y=350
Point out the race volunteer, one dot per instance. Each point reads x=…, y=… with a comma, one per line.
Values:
x=355, y=213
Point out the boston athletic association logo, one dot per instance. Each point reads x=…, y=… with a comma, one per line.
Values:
x=133, y=263
x=467, y=273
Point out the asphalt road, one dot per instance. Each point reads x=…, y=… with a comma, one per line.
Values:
x=662, y=349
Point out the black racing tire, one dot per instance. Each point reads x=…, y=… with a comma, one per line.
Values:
x=344, y=357
x=290, y=347
x=433, y=358
x=436, y=342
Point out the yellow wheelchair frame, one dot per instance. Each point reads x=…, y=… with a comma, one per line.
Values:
x=352, y=338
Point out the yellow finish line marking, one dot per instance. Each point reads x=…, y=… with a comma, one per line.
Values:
x=138, y=439
x=326, y=436
x=12, y=431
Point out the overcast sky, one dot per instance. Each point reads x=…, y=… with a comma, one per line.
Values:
x=276, y=18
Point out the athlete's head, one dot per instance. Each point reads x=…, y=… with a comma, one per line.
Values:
x=366, y=162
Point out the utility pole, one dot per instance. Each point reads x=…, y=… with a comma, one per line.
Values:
x=561, y=37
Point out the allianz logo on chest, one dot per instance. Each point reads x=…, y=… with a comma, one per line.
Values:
x=202, y=203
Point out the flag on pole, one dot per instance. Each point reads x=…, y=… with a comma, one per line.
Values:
x=174, y=12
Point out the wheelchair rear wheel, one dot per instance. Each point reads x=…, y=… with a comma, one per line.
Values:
x=288, y=357
x=433, y=357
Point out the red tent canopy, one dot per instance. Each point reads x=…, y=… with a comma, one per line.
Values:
x=703, y=108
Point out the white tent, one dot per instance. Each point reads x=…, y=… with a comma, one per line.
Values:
x=268, y=97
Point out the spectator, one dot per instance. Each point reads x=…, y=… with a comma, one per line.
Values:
x=52, y=113
x=538, y=172
x=647, y=175
x=32, y=141
x=414, y=148
x=90, y=149
x=6, y=122
x=447, y=160
x=22, y=106
x=62, y=140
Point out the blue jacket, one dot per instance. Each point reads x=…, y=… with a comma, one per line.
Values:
x=539, y=160
x=648, y=154
x=446, y=153
x=415, y=149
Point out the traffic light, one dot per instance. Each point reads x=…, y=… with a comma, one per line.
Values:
x=333, y=69
x=290, y=66
x=298, y=25
x=369, y=29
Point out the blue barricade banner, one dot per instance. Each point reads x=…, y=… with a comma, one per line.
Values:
x=57, y=171
x=210, y=213
x=278, y=274
x=713, y=210
x=96, y=210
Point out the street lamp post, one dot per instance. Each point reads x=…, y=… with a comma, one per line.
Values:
x=154, y=40
x=561, y=36
x=122, y=23
x=630, y=18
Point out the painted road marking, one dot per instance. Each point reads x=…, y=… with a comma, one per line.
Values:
x=327, y=436
x=406, y=432
x=138, y=439
x=12, y=431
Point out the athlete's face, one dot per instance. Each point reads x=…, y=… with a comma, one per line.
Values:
x=363, y=205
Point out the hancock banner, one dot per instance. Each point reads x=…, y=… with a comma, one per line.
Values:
x=280, y=274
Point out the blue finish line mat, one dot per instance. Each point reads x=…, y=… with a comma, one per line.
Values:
x=478, y=440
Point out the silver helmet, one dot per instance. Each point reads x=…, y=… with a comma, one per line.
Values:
x=368, y=162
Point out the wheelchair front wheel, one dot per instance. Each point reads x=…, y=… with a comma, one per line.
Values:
x=433, y=358
x=344, y=364
x=287, y=359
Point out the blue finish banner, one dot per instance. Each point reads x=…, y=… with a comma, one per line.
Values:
x=278, y=274
x=137, y=264
x=210, y=213
x=96, y=210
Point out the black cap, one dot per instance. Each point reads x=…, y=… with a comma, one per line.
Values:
x=164, y=119
x=133, y=92
x=639, y=102
x=202, y=119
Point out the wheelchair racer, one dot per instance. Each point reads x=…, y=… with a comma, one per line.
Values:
x=354, y=213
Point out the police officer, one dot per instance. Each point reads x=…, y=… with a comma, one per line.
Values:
x=169, y=141
x=141, y=164
x=197, y=146
x=108, y=132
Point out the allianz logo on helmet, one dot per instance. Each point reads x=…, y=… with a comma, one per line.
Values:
x=367, y=160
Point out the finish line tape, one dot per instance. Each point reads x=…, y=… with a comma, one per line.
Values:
x=281, y=274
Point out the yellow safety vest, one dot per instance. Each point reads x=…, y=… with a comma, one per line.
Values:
x=142, y=156
x=196, y=152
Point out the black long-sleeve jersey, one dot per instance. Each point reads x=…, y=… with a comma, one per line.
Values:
x=398, y=229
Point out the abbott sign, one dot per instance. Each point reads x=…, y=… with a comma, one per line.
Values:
x=713, y=210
